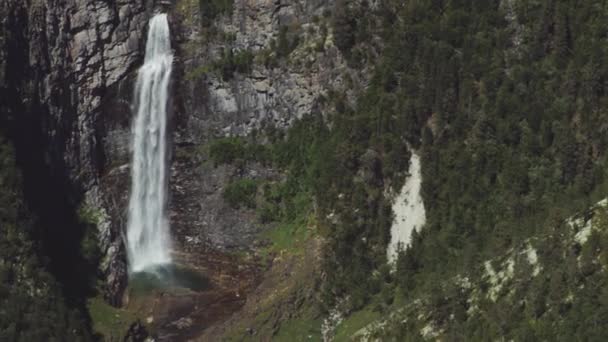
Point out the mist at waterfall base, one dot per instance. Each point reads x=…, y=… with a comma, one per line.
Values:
x=148, y=238
x=168, y=276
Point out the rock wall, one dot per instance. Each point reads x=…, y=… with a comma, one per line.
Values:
x=62, y=65
x=272, y=93
x=276, y=90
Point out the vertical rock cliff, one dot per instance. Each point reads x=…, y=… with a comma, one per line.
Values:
x=61, y=63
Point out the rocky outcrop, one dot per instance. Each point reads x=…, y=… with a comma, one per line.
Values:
x=291, y=68
x=278, y=89
x=200, y=217
x=137, y=333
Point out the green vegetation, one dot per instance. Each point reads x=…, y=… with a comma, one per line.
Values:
x=199, y=72
x=506, y=104
x=287, y=203
x=352, y=28
x=508, y=117
x=211, y=9
x=302, y=324
x=547, y=297
x=297, y=154
x=286, y=308
x=354, y=323
x=304, y=328
x=344, y=23
x=89, y=245
x=236, y=149
x=289, y=237
x=230, y=63
x=187, y=9
x=241, y=193
x=110, y=322
x=240, y=62
x=287, y=42
x=32, y=304
x=508, y=156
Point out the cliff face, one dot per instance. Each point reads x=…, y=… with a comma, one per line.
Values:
x=60, y=62
x=257, y=65
x=64, y=56
x=67, y=69
x=67, y=74
x=277, y=87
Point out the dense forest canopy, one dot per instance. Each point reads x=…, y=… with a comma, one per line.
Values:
x=506, y=101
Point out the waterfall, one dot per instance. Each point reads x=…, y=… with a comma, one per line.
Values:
x=148, y=240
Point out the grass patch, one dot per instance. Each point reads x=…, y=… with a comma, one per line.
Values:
x=307, y=327
x=288, y=310
x=289, y=237
x=353, y=323
x=109, y=321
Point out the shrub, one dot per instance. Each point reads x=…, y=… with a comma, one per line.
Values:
x=229, y=150
x=344, y=26
x=89, y=245
x=231, y=62
x=287, y=42
x=211, y=9
x=241, y=193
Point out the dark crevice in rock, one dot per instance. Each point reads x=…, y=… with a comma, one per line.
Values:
x=40, y=142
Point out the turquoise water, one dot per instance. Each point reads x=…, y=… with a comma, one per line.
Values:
x=169, y=276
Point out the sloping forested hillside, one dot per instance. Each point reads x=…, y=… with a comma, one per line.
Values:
x=506, y=102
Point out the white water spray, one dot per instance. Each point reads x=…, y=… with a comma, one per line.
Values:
x=148, y=240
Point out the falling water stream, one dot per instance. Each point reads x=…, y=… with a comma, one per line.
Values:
x=148, y=239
